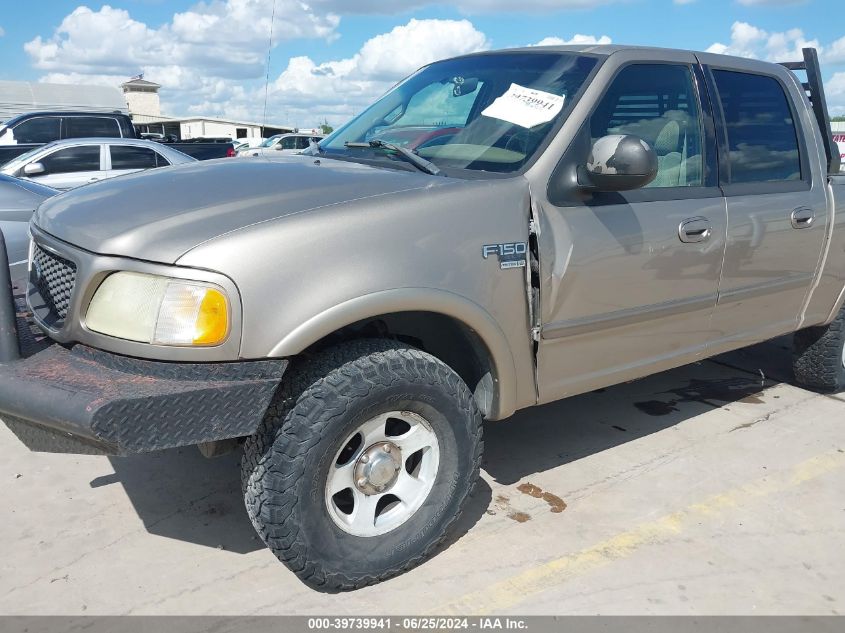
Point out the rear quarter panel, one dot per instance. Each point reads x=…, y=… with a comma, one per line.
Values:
x=829, y=294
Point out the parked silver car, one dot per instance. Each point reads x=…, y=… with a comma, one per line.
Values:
x=18, y=200
x=74, y=162
x=282, y=144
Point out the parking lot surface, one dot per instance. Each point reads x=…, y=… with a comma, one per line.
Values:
x=716, y=488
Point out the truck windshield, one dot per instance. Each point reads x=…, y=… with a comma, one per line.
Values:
x=485, y=113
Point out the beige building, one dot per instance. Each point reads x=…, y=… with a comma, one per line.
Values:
x=142, y=98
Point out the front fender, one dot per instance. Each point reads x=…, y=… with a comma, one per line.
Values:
x=442, y=302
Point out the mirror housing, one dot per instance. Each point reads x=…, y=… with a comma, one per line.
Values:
x=619, y=162
x=33, y=169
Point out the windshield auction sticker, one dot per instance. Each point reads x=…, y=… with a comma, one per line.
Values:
x=525, y=107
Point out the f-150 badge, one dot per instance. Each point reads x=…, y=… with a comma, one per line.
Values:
x=511, y=254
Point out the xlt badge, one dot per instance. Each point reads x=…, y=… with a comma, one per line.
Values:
x=511, y=254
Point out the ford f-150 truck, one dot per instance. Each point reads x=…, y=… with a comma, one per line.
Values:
x=576, y=217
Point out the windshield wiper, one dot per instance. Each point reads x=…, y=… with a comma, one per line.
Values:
x=417, y=161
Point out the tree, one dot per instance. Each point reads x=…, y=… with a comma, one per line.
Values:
x=325, y=128
x=838, y=119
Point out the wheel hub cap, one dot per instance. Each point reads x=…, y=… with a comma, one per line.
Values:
x=378, y=468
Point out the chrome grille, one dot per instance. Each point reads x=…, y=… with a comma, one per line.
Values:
x=54, y=278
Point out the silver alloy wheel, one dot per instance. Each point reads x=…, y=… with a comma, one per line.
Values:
x=382, y=474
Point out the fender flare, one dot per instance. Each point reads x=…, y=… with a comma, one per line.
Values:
x=442, y=302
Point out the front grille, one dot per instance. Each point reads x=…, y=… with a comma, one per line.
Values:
x=53, y=278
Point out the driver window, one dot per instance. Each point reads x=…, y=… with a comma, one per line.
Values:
x=657, y=103
x=288, y=143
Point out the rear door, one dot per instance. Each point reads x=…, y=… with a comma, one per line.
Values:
x=70, y=167
x=126, y=159
x=777, y=208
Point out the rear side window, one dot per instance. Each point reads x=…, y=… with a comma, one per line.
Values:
x=130, y=157
x=38, y=130
x=84, y=126
x=762, y=139
x=73, y=159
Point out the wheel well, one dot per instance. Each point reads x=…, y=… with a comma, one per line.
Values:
x=444, y=337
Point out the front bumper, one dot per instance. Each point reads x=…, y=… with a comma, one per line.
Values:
x=82, y=400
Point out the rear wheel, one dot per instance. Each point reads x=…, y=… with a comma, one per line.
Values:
x=362, y=464
x=819, y=356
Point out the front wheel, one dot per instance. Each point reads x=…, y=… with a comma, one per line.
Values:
x=362, y=464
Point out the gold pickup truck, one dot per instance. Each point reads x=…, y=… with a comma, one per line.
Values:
x=498, y=231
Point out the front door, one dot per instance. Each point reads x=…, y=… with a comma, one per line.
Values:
x=629, y=280
x=71, y=167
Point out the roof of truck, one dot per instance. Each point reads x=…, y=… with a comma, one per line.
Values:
x=605, y=50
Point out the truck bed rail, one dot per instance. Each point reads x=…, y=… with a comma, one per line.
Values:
x=815, y=92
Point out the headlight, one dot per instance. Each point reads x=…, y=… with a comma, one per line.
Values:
x=159, y=310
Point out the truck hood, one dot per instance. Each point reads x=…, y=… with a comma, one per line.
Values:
x=160, y=214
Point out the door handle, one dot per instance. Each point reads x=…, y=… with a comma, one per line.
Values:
x=695, y=230
x=802, y=218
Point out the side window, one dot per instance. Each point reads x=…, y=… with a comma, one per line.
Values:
x=72, y=159
x=289, y=142
x=85, y=126
x=130, y=157
x=302, y=142
x=762, y=139
x=39, y=130
x=657, y=103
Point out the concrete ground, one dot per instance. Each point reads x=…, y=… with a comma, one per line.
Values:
x=715, y=488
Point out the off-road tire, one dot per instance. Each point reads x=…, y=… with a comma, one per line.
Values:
x=817, y=356
x=285, y=464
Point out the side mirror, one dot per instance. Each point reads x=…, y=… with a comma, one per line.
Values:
x=33, y=169
x=619, y=163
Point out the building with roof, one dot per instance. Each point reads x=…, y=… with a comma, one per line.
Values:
x=18, y=97
x=186, y=128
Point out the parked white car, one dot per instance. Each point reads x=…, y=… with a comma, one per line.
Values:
x=282, y=144
x=74, y=162
x=248, y=143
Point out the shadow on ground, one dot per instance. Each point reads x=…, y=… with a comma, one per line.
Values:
x=181, y=495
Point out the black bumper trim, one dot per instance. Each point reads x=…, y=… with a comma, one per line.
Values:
x=83, y=400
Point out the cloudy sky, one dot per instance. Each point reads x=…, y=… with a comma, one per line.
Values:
x=329, y=58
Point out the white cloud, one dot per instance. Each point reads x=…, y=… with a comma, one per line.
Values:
x=770, y=3
x=465, y=6
x=582, y=40
x=748, y=40
x=198, y=55
x=835, y=90
x=344, y=86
